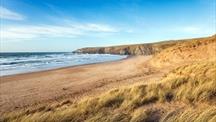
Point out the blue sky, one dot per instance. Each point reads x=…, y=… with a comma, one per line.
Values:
x=65, y=25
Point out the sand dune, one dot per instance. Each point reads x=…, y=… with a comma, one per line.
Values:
x=188, y=51
x=177, y=84
x=170, y=99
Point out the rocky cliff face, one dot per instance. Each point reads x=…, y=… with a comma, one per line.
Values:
x=138, y=49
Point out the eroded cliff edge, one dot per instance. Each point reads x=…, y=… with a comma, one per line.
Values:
x=136, y=49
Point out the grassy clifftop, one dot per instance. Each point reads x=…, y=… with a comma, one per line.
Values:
x=137, y=49
x=188, y=93
x=143, y=49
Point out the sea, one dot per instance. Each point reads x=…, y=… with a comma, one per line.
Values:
x=24, y=62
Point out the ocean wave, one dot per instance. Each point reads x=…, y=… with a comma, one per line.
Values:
x=15, y=63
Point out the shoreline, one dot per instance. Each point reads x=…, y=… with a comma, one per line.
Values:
x=23, y=90
x=64, y=67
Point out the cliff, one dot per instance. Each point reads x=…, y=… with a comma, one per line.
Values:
x=137, y=49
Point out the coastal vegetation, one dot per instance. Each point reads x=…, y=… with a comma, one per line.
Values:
x=149, y=48
x=136, y=49
x=187, y=92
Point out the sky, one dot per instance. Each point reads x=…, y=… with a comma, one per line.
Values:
x=66, y=25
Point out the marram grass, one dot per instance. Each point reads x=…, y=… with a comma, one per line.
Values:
x=193, y=85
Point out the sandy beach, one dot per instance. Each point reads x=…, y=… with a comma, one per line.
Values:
x=108, y=61
x=23, y=90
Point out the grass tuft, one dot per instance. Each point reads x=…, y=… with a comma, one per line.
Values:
x=194, y=84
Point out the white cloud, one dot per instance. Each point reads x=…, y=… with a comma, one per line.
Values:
x=10, y=15
x=98, y=27
x=28, y=32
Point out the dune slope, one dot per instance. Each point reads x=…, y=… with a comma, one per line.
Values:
x=171, y=99
x=186, y=93
x=188, y=51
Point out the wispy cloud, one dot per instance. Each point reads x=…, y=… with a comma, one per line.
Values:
x=28, y=32
x=96, y=27
x=10, y=15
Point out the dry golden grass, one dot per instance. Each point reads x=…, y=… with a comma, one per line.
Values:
x=201, y=114
x=193, y=84
x=187, y=51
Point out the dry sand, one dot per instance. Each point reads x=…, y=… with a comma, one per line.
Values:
x=23, y=90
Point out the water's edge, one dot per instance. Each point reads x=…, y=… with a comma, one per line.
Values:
x=22, y=64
